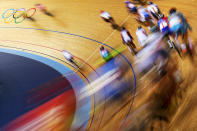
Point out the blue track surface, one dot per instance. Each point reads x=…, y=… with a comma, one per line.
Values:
x=23, y=76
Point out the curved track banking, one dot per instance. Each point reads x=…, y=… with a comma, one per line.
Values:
x=59, y=60
x=82, y=17
x=132, y=99
x=22, y=73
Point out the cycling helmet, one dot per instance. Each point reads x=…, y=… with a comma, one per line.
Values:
x=101, y=48
x=172, y=10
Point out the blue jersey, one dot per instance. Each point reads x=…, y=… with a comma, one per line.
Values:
x=143, y=13
x=104, y=53
x=146, y=15
x=177, y=23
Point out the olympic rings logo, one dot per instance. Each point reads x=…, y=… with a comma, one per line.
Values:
x=18, y=15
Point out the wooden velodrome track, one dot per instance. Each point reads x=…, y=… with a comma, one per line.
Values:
x=82, y=18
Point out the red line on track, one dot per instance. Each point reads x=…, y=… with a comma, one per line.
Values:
x=52, y=49
x=28, y=43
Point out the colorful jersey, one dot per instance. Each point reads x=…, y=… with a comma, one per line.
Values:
x=163, y=24
x=143, y=13
x=104, y=53
x=175, y=23
x=126, y=37
x=178, y=24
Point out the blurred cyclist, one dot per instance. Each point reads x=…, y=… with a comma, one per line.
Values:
x=178, y=25
x=141, y=36
x=43, y=9
x=128, y=40
x=105, y=53
x=144, y=17
x=131, y=7
x=154, y=10
x=108, y=18
x=143, y=13
x=69, y=57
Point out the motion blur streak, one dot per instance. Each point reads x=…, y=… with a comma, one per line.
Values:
x=99, y=83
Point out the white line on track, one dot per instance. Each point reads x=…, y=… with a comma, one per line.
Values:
x=106, y=39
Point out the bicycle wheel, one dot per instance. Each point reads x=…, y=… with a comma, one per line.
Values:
x=30, y=12
x=10, y=14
